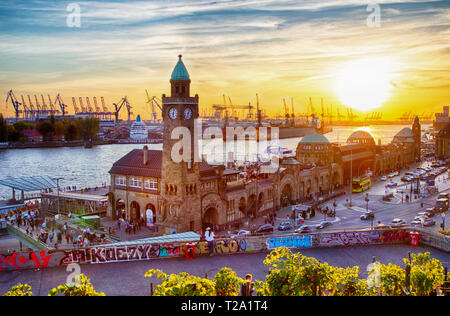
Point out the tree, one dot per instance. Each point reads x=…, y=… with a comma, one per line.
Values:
x=19, y=290
x=182, y=284
x=227, y=283
x=88, y=128
x=3, y=129
x=81, y=287
x=426, y=274
x=46, y=129
x=293, y=275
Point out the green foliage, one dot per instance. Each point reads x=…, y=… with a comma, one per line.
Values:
x=3, y=129
x=88, y=128
x=426, y=274
x=227, y=283
x=182, y=284
x=19, y=290
x=81, y=287
x=392, y=280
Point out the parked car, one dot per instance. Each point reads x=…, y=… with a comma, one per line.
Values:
x=444, y=195
x=285, y=226
x=304, y=229
x=367, y=215
x=323, y=224
x=396, y=222
x=428, y=223
x=406, y=179
x=241, y=233
x=266, y=228
x=384, y=178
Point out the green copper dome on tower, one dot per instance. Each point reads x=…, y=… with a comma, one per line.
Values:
x=180, y=72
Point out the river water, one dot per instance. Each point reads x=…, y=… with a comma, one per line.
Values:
x=81, y=167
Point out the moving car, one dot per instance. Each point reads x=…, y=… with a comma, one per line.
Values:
x=406, y=179
x=384, y=178
x=303, y=229
x=285, y=226
x=241, y=233
x=397, y=222
x=391, y=184
x=323, y=224
x=367, y=215
x=428, y=223
x=266, y=228
x=416, y=222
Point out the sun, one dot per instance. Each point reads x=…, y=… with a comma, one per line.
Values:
x=364, y=84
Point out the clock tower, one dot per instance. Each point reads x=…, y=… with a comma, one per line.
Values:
x=180, y=181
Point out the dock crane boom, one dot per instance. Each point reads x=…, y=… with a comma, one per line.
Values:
x=89, y=107
x=14, y=102
x=61, y=104
x=123, y=101
x=152, y=101
x=75, y=107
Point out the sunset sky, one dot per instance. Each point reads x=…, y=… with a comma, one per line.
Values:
x=276, y=48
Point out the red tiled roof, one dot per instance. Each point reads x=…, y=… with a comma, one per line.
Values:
x=133, y=164
x=31, y=133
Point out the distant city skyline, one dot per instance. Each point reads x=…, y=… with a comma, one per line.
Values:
x=278, y=49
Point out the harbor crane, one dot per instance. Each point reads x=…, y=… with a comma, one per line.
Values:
x=83, y=109
x=11, y=97
x=118, y=107
x=152, y=101
x=106, y=111
x=53, y=109
x=61, y=104
x=75, y=107
x=220, y=108
x=89, y=107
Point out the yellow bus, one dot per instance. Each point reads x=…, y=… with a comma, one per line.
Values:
x=361, y=184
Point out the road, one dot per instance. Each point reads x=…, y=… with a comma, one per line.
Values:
x=128, y=278
x=385, y=212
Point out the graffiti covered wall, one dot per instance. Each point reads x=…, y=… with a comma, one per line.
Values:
x=109, y=254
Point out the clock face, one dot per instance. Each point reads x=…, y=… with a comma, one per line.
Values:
x=173, y=113
x=187, y=114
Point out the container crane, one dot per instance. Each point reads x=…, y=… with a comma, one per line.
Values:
x=106, y=111
x=44, y=106
x=89, y=107
x=75, y=107
x=27, y=111
x=83, y=109
x=52, y=106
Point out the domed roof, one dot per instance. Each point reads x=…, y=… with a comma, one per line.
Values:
x=314, y=138
x=361, y=135
x=406, y=132
x=180, y=72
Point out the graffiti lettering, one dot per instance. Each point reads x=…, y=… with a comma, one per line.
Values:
x=289, y=242
x=350, y=239
x=394, y=236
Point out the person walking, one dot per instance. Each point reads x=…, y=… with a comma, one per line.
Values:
x=209, y=237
